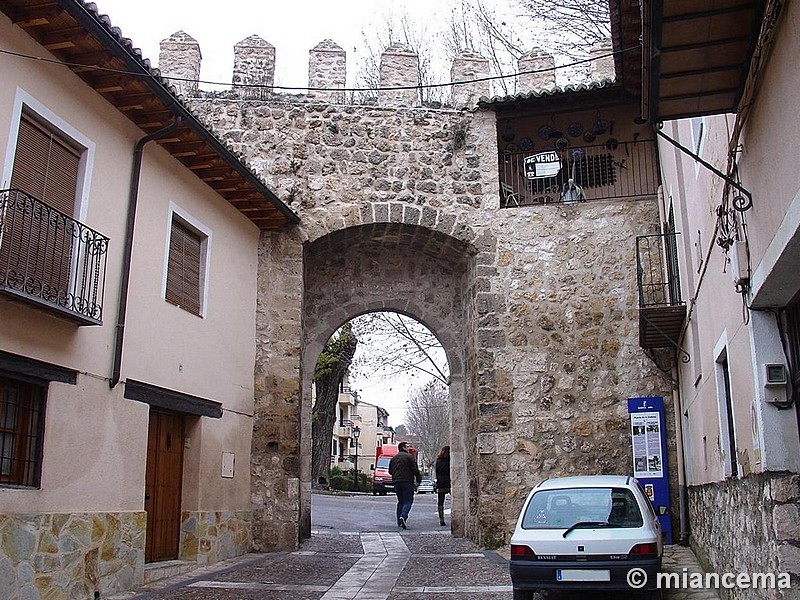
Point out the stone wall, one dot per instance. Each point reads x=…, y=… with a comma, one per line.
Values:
x=536, y=306
x=66, y=556
x=208, y=537
x=545, y=327
x=754, y=529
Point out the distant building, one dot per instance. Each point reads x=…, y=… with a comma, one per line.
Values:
x=373, y=430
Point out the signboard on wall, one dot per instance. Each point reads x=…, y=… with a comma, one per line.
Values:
x=543, y=164
x=649, y=447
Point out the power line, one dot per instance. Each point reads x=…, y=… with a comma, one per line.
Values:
x=314, y=89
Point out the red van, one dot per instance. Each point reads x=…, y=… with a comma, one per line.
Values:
x=381, y=480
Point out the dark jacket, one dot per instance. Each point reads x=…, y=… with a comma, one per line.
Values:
x=442, y=473
x=403, y=468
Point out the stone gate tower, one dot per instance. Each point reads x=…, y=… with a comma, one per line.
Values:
x=401, y=210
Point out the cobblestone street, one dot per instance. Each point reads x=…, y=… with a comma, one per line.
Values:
x=374, y=566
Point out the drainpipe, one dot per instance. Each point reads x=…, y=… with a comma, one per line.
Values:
x=682, y=500
x=128, y=251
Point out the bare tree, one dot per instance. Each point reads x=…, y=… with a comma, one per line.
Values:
x=501, y=31
x=411, y=34
x=474, y=26
x=570, y=26
x=332, y=365
x=428, y=417
x=394, y=344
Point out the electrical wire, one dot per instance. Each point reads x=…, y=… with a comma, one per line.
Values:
x=314, y=89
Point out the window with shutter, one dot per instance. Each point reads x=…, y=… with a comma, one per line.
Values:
x=37, y=249
x=184, y=267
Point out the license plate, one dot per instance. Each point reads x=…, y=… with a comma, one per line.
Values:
x=583, y=575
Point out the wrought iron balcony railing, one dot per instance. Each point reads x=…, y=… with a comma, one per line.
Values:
x=661, y=311
x=50, y=259
x=619, y=170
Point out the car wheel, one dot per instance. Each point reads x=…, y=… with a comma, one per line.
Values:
x=523, y=594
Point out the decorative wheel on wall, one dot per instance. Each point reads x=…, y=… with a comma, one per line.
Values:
x=545, y=131
x=575, y=129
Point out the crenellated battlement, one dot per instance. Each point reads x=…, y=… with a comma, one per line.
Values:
x=254, y=71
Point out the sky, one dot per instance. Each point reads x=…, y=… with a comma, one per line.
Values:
x=390, y=393
x=292, y=27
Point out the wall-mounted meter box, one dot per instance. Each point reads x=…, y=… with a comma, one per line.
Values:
x=775, y=374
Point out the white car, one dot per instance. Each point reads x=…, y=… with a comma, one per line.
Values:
x=586, y=533
x=425, y=486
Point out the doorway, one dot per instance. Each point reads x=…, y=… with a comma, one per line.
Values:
x=163, y=484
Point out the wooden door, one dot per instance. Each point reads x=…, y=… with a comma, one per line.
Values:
x=162, y=499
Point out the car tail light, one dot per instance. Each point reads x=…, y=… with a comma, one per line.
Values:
x=644, y=550
x=522, y=551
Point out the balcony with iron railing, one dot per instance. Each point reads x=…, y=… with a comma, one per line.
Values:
x=662, y=312
x=347, y=397
x=574, y=174
x=344, y=429
x=51, y=260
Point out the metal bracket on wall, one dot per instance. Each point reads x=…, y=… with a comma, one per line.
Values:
x=685, y=356
x=742, y=202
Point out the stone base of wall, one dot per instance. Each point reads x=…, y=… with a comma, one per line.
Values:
x=70, y=556
x=749, y=525
x=208, y=537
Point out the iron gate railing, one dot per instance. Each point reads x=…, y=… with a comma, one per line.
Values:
x=657, y=272
x=51, y=259
x=619, y=170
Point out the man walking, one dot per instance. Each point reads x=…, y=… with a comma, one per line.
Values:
x=405, y=475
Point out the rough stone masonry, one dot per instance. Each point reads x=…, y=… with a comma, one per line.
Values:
x=536, y=306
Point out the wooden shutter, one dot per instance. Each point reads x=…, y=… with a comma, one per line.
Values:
x=38, y=246
x=45, y=166
x=183, y=268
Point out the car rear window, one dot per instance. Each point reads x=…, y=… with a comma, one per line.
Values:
x=559, y=509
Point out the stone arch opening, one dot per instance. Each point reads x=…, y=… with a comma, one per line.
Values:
x=381, y=379
x=409, y=269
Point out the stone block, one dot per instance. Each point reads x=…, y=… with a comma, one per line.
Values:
x=486, y=443
x=789, y=559
x=786, y=521
x=785, y=489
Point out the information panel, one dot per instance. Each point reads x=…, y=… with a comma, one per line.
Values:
x=649, y=445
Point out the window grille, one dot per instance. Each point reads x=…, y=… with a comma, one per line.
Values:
x=21, y=432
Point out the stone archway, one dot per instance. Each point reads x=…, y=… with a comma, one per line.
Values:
x=398, y=267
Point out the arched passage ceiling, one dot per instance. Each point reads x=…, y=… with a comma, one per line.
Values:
x=413, y=240
x=387, y=266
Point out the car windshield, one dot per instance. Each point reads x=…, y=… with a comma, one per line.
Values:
x=563, y=508
x=383, y=462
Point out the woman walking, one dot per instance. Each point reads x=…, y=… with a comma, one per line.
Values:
x=442, y=479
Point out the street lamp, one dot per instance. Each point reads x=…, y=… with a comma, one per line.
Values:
x=356, y=433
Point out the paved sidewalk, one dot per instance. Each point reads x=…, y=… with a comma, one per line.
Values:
x=373, y=566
